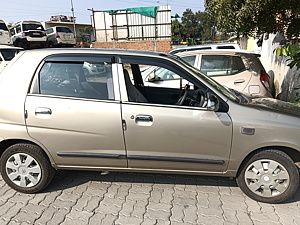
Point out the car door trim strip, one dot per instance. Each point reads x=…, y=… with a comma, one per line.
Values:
x=90, y=155
x=175, y=159
x=140, y=157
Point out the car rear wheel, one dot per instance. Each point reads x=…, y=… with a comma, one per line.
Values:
x=26, y=168
x=269, y=176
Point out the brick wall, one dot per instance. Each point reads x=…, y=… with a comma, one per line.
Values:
x=156, y=46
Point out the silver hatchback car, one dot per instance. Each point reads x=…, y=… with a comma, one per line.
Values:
x=54, y=117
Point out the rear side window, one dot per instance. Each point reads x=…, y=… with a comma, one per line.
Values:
x=77, y=79
x=49, y=31
x=3, y=26
x=18, y=29
x=63, y=29
x=221, y=65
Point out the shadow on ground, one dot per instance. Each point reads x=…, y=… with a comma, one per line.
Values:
x=69, y=179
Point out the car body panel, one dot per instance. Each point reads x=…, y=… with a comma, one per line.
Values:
x=172, y=143
x=79, y=127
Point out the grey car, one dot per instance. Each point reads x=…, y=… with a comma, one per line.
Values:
x=55, y=117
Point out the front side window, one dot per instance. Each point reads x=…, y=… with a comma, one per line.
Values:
x=68, y=79
x=190, y=59
x=221, y=65
x=170, y=85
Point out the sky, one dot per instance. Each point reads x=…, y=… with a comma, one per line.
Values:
x=12, y=11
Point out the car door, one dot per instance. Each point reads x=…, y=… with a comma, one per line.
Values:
x=171, y=137
x=77, y=118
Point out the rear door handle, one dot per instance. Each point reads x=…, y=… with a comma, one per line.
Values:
x=43, y=111
x=239, y=81
x=144, y=118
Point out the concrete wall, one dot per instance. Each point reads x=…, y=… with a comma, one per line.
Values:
x=156, y=46
x=285, y=79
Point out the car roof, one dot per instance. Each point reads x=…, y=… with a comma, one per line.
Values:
x=9, y=47
x=206, y=47
x=45, y=52
x=218, y=52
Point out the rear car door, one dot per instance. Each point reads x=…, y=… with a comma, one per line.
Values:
x=75, y=117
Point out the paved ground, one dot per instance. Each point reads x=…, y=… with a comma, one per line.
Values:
x=132, y=198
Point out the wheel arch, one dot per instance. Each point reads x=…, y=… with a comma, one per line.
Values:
x=291, y=152
x=7, y=143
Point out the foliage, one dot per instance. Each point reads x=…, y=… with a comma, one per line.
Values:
x=198, y=25
x=246, y=17
x=176, y=29
x=85, y=31
x=291, y=50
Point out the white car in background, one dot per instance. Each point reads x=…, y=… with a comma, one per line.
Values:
x=7, y=53
x=60, y=36
x=236, y=69
x=4, y=34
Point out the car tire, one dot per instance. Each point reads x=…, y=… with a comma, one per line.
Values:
x=26, y=168
x=51, y=44
x=269, y=176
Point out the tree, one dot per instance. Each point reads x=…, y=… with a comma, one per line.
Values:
x=198, y=25
x=246, y=17
x=176, y=30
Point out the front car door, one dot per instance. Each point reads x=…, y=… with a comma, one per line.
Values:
x=76, y=116
x=173, y=137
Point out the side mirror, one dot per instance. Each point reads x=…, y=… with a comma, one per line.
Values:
x=212, y=103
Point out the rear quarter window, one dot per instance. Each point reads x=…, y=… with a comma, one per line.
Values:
x=221, y=65
x=63, y=29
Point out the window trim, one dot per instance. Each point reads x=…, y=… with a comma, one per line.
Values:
x=34, y=88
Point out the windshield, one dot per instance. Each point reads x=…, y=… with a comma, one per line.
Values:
x=3, y=26
x=9, y=54
x=32, y=27
x=224, y=90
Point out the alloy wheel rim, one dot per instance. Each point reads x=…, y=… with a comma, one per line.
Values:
x=23, y=170
x=267, y=178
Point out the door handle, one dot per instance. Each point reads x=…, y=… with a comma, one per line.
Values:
x=144, y=118
x=239, y=81
x=43, y=111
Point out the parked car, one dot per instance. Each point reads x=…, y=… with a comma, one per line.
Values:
x=4, y=34
x=60, y=36
x=28, y=34
x=7, y=53
x=62, y=119
x=236, y=69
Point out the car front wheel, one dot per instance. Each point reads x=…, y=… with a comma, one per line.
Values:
x=26, y=168
x=269, y=176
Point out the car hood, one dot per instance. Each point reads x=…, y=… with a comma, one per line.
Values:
x=275, y=105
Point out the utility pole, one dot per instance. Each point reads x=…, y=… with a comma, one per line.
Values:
x=72, y=9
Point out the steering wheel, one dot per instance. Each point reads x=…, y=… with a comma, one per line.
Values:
x=184, y=95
